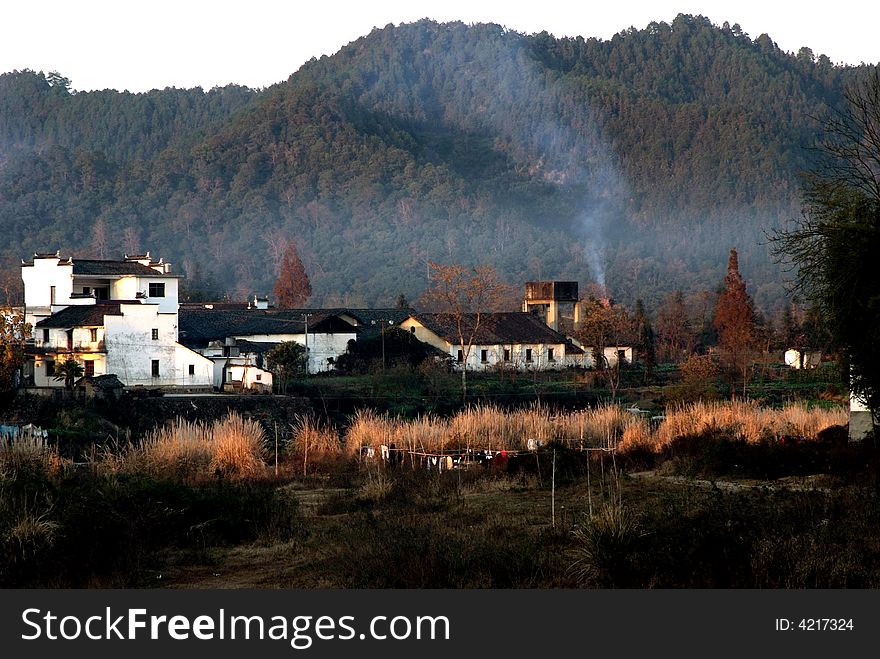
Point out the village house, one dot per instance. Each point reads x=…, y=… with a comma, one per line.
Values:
x=112, y=317
x=236, y=338
x=515, y=340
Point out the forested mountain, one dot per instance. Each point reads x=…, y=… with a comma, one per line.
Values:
x=639, y=161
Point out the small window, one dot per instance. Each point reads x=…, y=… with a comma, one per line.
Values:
x=157, y=289
x=484, y=356
x=621, y=356
x=413, y=329
x=192, y=369
x=89, y=368
x=550, y=354
x=155, y=334
x=45, y=335
x=51, y=295
x=155, y=368
x=87, y=290
x=460, y=356
x=259, y=376
x=93, y=335
x=50, y=369
x=528, y=354
x=507, y=354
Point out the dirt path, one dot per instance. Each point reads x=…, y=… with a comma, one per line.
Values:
x=812, y=483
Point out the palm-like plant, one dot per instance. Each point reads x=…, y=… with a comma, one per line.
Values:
x=70, y=371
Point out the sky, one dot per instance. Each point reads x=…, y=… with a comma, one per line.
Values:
x=139, y=45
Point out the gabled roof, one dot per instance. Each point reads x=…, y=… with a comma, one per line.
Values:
x=494, y=328
x=199, y=325
x=87, y=315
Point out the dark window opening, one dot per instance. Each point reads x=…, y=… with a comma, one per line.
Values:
x=46, y=335
x=550, y=354
x=50, y=369
x=155, y=334
x=528, y=354
x=621, y=356
x=507, y=354
x=157, y=289
x=460, y=356
x=102, y=293
x=155, y=368
x=484, y=356
x=87, y=290
x=192, y=369
x=413, y=329
x=93, y=335
x=89, y=368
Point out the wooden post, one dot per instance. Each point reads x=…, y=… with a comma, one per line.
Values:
x=553, y=490
x=276, y=449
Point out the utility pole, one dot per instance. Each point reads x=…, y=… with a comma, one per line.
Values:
x=305, y=317
x=381, y=322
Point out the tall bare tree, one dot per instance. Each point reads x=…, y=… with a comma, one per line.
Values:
x=466, y=294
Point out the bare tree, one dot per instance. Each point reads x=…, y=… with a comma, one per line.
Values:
x=466, y=295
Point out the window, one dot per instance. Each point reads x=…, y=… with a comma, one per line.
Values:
x=89, y=368
x=259, y=376
x=51, y=295
x=413, y=329
x=484, y=356
x=93, y=335
x=460, y=356
x=528, y=354
x=192, y=369
x=621, y=356
x=46, y=335
x=155, y=368
x=102, y=293
x=549, y=354
x=157, y=289
x=87, y=290
x=155, y=334
x=507, y=354
x=50, y=369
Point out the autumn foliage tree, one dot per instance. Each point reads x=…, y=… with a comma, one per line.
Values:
x=735, y=322
x=293, y=287
x=13, y=334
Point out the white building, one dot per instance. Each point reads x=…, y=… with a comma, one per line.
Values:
x=236, y=338
x=515, y=340
x=113, y=317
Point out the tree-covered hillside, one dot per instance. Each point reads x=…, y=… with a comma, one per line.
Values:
x=638, y=161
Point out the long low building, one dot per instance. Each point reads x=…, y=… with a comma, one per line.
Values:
x=516, y=340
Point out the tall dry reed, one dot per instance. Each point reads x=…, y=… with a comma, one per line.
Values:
x=232, y=447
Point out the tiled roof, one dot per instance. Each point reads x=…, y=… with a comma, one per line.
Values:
x=113, y=268
x=198, y=325
x=370, y=321
x=87, y=315
x=494, y=328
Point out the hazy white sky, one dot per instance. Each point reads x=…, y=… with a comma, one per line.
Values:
x=126, y=44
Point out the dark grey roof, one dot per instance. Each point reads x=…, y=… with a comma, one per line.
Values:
x=494, y=328
x=198, y=325
x=256, y=346
x=113, y=268
x=371, y=320
x=86, y=315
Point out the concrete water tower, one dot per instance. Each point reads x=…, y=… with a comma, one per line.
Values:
x=553, y=300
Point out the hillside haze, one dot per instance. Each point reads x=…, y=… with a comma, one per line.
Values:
x=636, y=162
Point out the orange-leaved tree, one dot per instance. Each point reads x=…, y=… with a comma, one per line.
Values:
x=293, y=286
x=735, y=322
